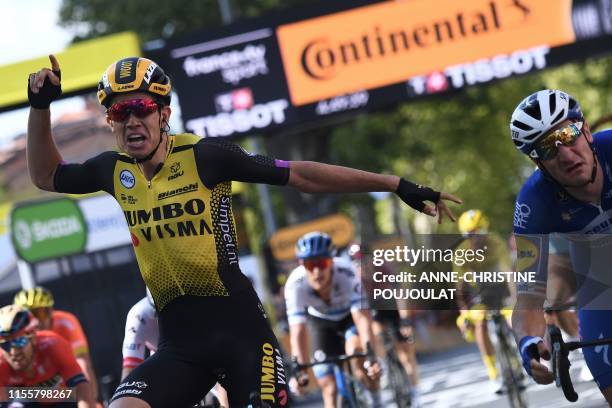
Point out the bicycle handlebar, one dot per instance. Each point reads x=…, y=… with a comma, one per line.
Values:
x=561, y=307
x=561, y=364
x=296, y=367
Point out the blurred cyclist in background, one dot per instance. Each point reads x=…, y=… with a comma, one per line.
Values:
x=474, y=300
x=141, y=334
x=39, y=301
x=324, y=299
x=37, y=358
x=400, y=321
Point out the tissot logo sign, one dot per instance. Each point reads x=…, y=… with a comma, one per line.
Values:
x=243, y=79
x=46, y=230
x=389, y=42
x=482, y=71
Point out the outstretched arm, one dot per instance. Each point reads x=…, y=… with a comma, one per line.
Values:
x=315, y=177
x=42, y=154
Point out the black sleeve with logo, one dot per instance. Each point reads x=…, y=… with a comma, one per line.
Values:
x=219, y=160
x=96, y=174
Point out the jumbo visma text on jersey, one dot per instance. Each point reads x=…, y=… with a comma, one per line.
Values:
x=167, y=212
x=179, y=227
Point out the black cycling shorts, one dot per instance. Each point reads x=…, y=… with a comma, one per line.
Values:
x=208, y=339
x=327, y=340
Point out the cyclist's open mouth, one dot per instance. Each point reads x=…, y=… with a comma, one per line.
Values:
x=135, y=140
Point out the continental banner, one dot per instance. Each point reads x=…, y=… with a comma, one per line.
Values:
x=389, y=42
x=340, y=58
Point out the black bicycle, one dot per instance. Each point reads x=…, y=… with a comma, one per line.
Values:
x=351, y=393
x=560, y=359
x=399, y=383
x=509, y=360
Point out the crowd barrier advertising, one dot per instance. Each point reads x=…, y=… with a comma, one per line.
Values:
x=342, y=57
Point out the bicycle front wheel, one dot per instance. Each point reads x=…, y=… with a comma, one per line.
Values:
x=399, y=383
x=511, y=371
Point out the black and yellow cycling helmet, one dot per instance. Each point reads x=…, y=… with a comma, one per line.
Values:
x=34, y=298
x=134, y=74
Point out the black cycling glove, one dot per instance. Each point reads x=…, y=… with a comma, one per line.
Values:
x=47, y=93
x=415, y=194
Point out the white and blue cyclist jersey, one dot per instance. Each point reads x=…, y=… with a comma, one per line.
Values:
x=346, y=294
x=543, y=207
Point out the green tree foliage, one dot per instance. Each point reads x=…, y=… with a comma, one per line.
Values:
x=460, y=143
x=155, y=19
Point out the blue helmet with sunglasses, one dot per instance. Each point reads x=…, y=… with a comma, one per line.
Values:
x=315, y=245
x=537, y=114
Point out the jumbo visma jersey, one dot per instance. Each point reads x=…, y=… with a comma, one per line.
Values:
x=181, y=220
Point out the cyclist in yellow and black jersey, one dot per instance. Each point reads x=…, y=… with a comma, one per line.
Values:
x=175, y=191
x=474, y=299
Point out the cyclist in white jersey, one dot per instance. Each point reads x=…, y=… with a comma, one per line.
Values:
x=325, y=293
x=141, y=334
x=141, y=338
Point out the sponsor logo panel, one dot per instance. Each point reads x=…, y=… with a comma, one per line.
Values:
x=386, y=43
x=127, y=179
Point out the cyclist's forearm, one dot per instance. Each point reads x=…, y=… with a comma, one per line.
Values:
x=84, y=395
x=42, y=154
x=299, y=342
x=528, y=317
x=314, y=177
x=363, y=322
x=84, y=362
x=125, y=371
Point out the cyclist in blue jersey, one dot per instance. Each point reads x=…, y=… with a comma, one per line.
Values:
x=569, y=193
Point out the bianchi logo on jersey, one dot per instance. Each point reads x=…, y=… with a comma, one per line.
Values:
x=521, y=215
x=181, y=190
x=127, y=179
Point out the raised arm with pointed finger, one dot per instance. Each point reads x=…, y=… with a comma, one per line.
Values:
x=315, y=177
x=42, y=154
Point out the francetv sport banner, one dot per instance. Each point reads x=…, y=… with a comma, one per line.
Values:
x=340, y=57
